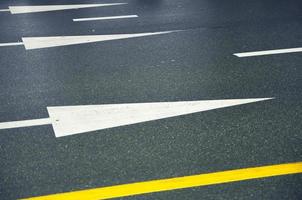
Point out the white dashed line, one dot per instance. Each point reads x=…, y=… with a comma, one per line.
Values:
x=268, y=52
x=46, y=8
x=104, y=18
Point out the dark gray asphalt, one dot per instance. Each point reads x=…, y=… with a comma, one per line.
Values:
x=195, y=64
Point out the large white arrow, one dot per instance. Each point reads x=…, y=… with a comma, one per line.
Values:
x=69, y=120
x=46, y=42
x=46, y=8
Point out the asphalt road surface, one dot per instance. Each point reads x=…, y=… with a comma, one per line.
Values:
x=195, y=63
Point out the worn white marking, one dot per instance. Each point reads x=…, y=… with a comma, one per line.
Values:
x=268, y=52
x=25, y=123
x=11, y=44
x=45, y=42
x=104, y=18
x=4, y=10
x=69, y=120
x=46, y=8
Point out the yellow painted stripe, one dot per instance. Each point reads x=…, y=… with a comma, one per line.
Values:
x=177, y=183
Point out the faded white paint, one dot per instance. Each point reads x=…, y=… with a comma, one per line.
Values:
x=46, y=8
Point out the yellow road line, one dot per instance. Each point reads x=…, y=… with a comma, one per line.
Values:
x=177, y=183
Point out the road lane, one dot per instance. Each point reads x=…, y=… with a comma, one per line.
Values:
x=196, y=64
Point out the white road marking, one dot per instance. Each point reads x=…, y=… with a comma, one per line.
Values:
x=268, y=52
x=104, y=18
x=4, y=10
x=46, y=8
x=56, y=41
x=25, y=123
x=70, y=120
x=11, y=44
x=46, y=42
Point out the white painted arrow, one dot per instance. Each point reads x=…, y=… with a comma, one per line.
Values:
x=46, y=42
x=69, y=120
x=47, y=8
